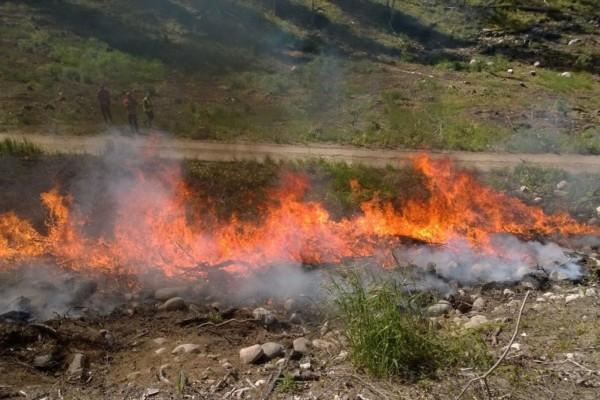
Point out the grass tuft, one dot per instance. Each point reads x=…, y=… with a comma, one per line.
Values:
x=19, y=148
x=390, y=336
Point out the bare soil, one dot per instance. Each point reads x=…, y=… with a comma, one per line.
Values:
x=177, y=148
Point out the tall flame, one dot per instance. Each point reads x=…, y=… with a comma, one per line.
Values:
x=155, y=228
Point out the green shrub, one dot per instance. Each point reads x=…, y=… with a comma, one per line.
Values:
x=389, y=334
x=19, y=148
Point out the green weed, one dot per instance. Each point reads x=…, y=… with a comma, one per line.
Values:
x=19, y=148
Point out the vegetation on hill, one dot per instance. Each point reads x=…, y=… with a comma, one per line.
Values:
x=365, y=72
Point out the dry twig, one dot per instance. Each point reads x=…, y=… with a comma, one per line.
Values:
x=503, y=356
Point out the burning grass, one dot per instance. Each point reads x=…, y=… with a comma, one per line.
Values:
x=389, y=334
x=157, y=220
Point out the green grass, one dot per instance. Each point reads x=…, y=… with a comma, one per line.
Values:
x=389, y=336
x=19, y=148
x=286, y=384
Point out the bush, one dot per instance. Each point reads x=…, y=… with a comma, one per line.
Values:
x=389, y=336
x=19, y=148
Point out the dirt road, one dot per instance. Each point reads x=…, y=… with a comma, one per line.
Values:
x=217, y=151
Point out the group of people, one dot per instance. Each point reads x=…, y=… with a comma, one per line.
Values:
x=130, y=104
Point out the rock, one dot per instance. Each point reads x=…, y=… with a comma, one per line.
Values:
x=566, y=75
x=264, y=315
x=252, y=354
x=43, y=362
x=301, y=345
x=160, y=341
x=538, y=200
x=573, y=42
x=260, y=382
x=598, y=211
x=515, y=346
x=77, y=365
x=476, y=321
x=533, y=73
x=590, y=292
x=305, y=365
x=510, y=71
x=158, y=352
x=296, y=319
x=513, y=304
x=343, y=356
x=290, y=305
x=562, y=185
x=572, y=297
x=508, y=292
x=165, y=294
x=272, y=350
x=534, y=280
x=479, y=304
x=524, y=189
x=322, y=345
x=187, y=349
x=541, y=300
x=537, y=64
x=173, y=304
x=473, y=61
x=559, y=275
x=438, y=309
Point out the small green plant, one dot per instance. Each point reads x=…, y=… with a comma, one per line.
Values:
x=19, y=148
x=287, y=384
x=389, y=335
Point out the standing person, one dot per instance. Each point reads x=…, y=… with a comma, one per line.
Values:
x=130, y=104
x=104, y=100
x=148, y=110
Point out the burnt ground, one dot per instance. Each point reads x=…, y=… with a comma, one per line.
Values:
x=554, y=355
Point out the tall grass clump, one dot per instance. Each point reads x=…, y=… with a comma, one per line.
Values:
x=19, y=148
x=390, y=336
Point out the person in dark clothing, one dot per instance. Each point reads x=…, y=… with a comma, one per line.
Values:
x=130, y=104
x=148, y=108
x=104, y=100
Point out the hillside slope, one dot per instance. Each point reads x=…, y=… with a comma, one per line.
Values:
x=427, y=75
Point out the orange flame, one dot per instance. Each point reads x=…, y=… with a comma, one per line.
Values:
x=154, y=228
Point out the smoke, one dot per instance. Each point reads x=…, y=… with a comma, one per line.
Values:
x=112, y=188
x=513, y=259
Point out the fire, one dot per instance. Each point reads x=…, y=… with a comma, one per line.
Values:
x=155, y=225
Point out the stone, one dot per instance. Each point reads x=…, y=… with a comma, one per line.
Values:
x=252, y=354
x=301, y=345
x=515, y=346
x=510, y=71
x=272, y=350
x=43, y=361
x=573, y=41
x=538, y=200
x=290, y=305
x=473, y=61
x=306, y=365
x=590, y=292
x=537, y=64
x=508, y=292
x=160, y=341
x=264, y=315
x=572, y=297
x=77, y=365
x=479, y=304
x=227, y=365
x=476, y=321
x=566, y=75
x=323, y=345
x=158, y=352
x=260, y=382
x=167, y=293
x=562, y=185
x=187, y=348
x=173, y=304
x=523, y=189
x=598, y=211
x=438, y=309
x=295, y=319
